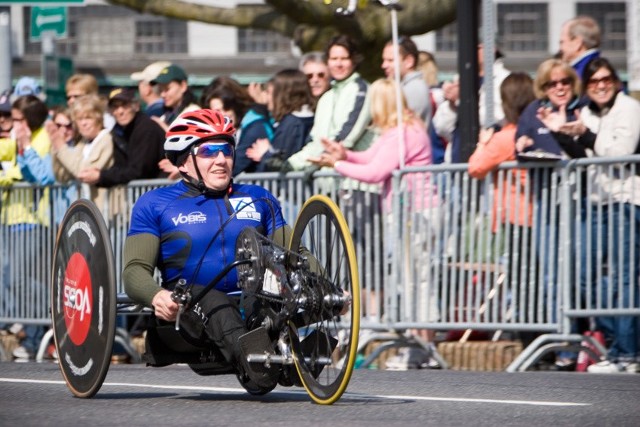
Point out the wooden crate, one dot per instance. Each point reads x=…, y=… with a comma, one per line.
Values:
x=479, y=355
x=9, y=343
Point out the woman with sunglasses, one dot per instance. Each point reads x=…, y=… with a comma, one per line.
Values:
x=557, y=89
x=538, y=137
x=94, y=147
x=609, y=126
x=61, y=132
x=60, y=127
x=189, y=231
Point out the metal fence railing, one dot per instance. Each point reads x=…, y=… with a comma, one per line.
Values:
x=528, y=248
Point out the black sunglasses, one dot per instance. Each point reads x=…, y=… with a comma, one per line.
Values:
x=64, y=125
x=553, y=83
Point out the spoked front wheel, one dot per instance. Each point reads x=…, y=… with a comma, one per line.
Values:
x=325, y=346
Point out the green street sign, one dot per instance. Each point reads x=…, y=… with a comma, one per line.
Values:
x=56, y=2
x=56, y=70
x=48, y=19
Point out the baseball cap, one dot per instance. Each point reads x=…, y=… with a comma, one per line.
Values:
x=27, y=86
x=121, y=94
x=150, y=72
x=5, y=101
x=169, y=74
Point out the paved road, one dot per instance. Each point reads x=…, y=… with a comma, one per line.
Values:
x=33, y=394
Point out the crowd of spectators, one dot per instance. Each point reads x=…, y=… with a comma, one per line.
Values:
x=325, y=114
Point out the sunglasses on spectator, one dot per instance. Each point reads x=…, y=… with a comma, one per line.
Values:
x=212, y=149
x=607, y=80
x=553, y=83
x=68, y=126
x=320, y=75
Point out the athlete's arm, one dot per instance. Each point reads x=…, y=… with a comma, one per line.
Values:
x=139, y=259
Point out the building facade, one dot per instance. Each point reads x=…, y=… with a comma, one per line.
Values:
x=111, y=41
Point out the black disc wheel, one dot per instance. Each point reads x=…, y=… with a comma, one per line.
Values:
x=83, y=298
x=325, y=344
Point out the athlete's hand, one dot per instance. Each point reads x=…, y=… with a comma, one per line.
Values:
x=164, y=307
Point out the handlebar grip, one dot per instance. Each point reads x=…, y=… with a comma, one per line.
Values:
x=180, y=311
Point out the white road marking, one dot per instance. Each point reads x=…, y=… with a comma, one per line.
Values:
x=346, y=396
x=471, y=400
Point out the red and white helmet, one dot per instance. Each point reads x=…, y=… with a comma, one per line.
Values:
x=194, y=127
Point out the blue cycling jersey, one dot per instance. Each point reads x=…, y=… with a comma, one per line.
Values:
x=198, y=232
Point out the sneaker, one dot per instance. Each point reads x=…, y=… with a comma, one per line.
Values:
x=22, y=353
x=16, y=328
x=565, y=364
x=399, y=362
x=632, y=367
x=608, y=367
x=432, y=364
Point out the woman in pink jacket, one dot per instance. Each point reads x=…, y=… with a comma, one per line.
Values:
x=377, y=163
x=420, y=213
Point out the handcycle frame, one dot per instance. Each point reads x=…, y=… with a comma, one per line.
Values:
x=311, y=288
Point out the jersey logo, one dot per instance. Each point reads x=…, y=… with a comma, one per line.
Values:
x=190, y=218
x=245, y=209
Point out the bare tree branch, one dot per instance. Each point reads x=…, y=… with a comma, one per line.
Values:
x=262, y=17
x=311, y=23
x=297, y=17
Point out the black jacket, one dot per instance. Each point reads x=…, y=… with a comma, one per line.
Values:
x=137, y=149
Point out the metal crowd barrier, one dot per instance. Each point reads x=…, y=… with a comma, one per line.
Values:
x=598, y=254
x=438, y=257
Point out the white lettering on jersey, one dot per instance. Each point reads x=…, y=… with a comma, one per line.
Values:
x=191, y=218
x=244, y=208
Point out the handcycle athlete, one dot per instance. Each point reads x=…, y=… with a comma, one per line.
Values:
x=189, y=231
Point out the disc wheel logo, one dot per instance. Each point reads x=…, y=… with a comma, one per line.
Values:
x=77, y=298
x=83, y=298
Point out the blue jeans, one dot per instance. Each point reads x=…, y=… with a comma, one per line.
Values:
x=610, y=250
x=546, y=237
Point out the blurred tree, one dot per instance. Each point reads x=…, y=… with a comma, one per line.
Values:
x=311, y=23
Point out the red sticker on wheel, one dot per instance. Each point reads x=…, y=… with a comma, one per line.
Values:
x=77, y=298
